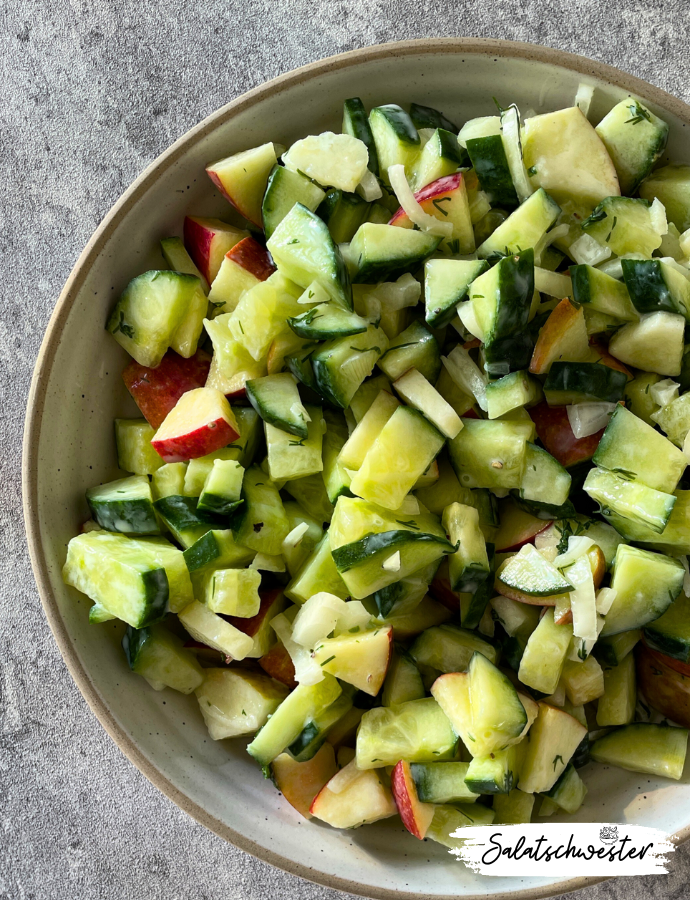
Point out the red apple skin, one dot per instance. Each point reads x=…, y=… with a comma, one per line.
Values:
x=211, y=436
x=606, y=359
x=677, y=665
x=438, y=188
x=405, y=796
x=517, y=528
x=555, y=433
x=664, y=687
x=197, y=240
x=156, y=391
x=219, y=184
x=441, y=589
x=278, y=665
x=249, y=254
x=251, y=626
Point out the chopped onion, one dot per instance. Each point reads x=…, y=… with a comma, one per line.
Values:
x=313, y=295
x=588, y=418
x=428, y=223
x=583, y=599
x=657, y=215
x=395, y=295
x=307, y=670
x=586, y=251
x=369, y=188
x=664, y=392
x=546, y=240
x=352, y=615
x=267, y=563
x=392, y=564
x=605, y=598
x=552, y=283
x=578, y=545
x=468, y=318
x=466, y=374
x=684, y=241
x=316, y=619
x=512, y=145
x=583, y=97
x=294, y=538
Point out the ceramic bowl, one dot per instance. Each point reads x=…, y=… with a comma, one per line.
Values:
x=77, y=392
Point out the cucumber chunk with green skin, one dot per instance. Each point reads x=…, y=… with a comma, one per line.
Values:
x=414, y=348
x=260, y=523
x=182, y=514
x=134, y=451
x=383, y=252
x=300, y=366
x=612, y=650
x=313, y=735
x=168, y=481
x=617, y=704
x=600, y=292
x=318, y=573
x=545, y=482
x=624, y=225
x=446, y=283
x=404, y=595
x=654, y=344
x=428, y=117
x=161, y=657
x=442, y=782
x=629, y=499
x=469, y=566
x=635, y=139
x=646, y=584
x=643, y=747
x=395, y=137
x=417, y=731
x=343, y=213
x=448, y=819
x=277, y=401
x=501, y=300
x=569, y=791
x=449, y=648
x=544, y=656
x=656, y=285
x=631, y=447
x=289, y=458
x=495, y=773
x=674, y=539
x=176, y=256
x=670, y=634
x=325, y=321
x=674, y=419
x=341, y=365
x=524, y=228
x=476, y=604
x=579, y=382
x=529, y=573
x=356, y=123
x=125, y=505
x=310, y=493
x=511, y=392
x=304, y=252
x=490, y=453
x=289, y=719
x=234, y=592
x=498, y=716
x=441, y=156
x=284, y=189
x=670, y=185
x=223, y=488
x=513, y=808
x=403, y=681
x=489, y=161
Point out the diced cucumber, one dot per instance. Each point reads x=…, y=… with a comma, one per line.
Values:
x=448, y=648
x=403, y=681
x=495, y=773
x=416, y=347
x=318, y=573
x=638, y=397
x=489, y=161
x=578, y=382
x=356, y=123
x=161, y=658
x=469, y=566
x=341, y=365
x=210, y=629
x=544, y=656
x=635, y=139
x=301, y=541
x=223, y=487
x=617, y=704
x=646, y=584
x=134, y=451
x=383, y=252
x=304, y=252
x=313, y=735
x=284, y=189
x=359, y=658
x=446, y=283
x=629, y=499
x=237, y=701
x=367, y=393
x=149, y=311
x=674, y=539
x=670, y=185
x=405, y=447
x=623, y=225
x=656, y=285
x=260, y=522
x=612, y=650
x=445, y=490
x=490, y=453
x=545, y=482
x=442, y=782
x=234, y=592
x=524, y=228
x=403, y=596
x=583, y=681
x=368, y=429
x=277, y=401
x=343, y=213
x=290, y=459
x=414, y=388
x=553, y=738
x=569, y=791
x=599, y=291
x=511, y=392
x=416, y=731
x=176, y=256
x=448, y=819
x=643, y=747
x=184, y=518
x=670, y=634
x=336, y=479
x=134, y=579
x=326, y=321
x=654, y=344
x=125, y=505
x=498, y=716
x=396, y=138
x=631, y=447
x=428, y=117
x=440, y=156
x=514, y=808
x=674, y=419
x=168, y=481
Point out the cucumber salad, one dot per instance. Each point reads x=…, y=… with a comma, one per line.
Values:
x=406, y=505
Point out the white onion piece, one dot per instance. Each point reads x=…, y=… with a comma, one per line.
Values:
x=353, y=614
x=369, y=188
x=578, y=545
x=588, y=418
x=307, y=670
x=466, y=374
x=684, y=241
x=547, y=239
x=657, y=215
x=294, y=538
x=267, y=563
x=583, y=97
x=428, y=223
x=614, y=268
x=583, y=599
x=392, y=564
x=317, y=618
x=468, y=318
x=395, y=295
x=586, y=251
x=554, y=284
x=605, y=598
x=510, y=128
x=664, y=392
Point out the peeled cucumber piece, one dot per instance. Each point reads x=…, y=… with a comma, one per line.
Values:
x=643, y=747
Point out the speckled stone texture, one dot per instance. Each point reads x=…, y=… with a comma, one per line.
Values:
x=90, y=93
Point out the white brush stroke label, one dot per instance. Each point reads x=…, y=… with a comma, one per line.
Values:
x=564, y=849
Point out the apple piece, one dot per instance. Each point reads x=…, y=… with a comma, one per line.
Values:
x=442, y=591
x=360, y=659
x=677, y=665
x=258, y=627
x=664, y=688
x=244, y=266
x=562, y=337
x=278, y=665
x=445, y=199
x=300, y=782
x=555, y=433
x=156, y=391
x=242, y=179
x=207, y=241
x=200, y=422
x=600, y=354
x=517, y=527
x=416, y=816
x=362, y=801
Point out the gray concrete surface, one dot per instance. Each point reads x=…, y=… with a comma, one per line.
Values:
x=90, y=93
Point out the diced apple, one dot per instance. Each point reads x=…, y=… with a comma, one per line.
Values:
x=677, y=665
x=441, y=589
x=599, y=353
x=242, y=179
x=416, y=816
x=555, y=433
x=665, y=688
x=232, y=365
x=200, y=423
x=517, y=528
x=156, y=391
x=258, y=627
x=278, y=665
x=363, y=801
x=300, y=782
x=244, y=266
x=445, y=199
x=207, y=241
x=562, y=337
x=360, y=659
